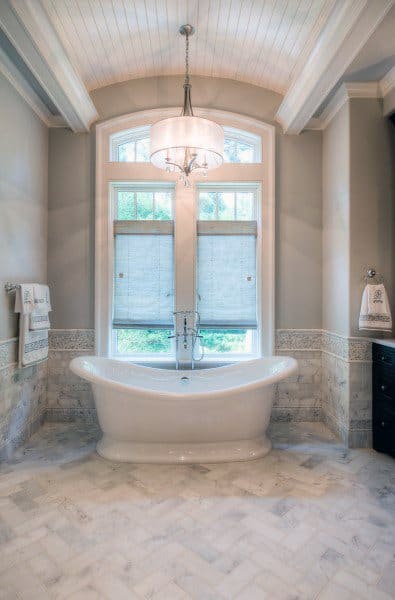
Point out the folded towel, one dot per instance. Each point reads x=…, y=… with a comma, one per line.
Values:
x=39, y=317
x=24, y=299
x=42, y=301
x=33, y=345
x=375, y=309
x=38, y=321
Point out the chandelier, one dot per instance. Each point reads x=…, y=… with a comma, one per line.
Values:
x=186, y=144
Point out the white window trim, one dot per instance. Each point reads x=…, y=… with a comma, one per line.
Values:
x=107, y=172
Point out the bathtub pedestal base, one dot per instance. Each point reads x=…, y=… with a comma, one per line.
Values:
x=183, y=453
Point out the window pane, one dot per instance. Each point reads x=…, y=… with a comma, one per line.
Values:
x=126, y=209
x=230, y=151
x=245, y=153
x=126, y=152
x=143, y=150
x=145, y=205
x=245, y=206
x=207, y=206
x=226, y=206
x=220, y=341
x=163, y=210
x=236, y=151
x=143, y=341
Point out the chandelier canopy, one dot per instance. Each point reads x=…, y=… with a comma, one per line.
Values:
x=186, y=143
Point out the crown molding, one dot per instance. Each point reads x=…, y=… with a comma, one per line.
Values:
x=29, y=29
x=347, y=91
x=350, y=25
x=387, y=84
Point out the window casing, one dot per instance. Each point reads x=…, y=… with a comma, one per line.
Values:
x=223, y=341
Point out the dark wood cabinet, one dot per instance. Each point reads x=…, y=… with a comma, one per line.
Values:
x=383, y=398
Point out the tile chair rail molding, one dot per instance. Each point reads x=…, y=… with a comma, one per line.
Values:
x=326, y=388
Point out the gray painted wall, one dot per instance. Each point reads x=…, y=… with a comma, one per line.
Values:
x=71, y=229
x=23, y=199
x=335, y=236
x=298, y=181
x=358, y=210
x=372, y=201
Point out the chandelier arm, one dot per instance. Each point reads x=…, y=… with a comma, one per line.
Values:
x=190, y=167
x=168, y=162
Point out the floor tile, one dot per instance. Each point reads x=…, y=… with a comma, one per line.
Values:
x=309, y=521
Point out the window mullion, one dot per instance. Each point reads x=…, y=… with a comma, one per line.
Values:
x=184, y=256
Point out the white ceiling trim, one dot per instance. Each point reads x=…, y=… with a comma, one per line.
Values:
x=27, y=26
x=8, y=69
x=346, y=92
x=350, y=25
x=387, y=84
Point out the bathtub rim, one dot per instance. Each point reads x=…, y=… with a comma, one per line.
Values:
x=96, y=379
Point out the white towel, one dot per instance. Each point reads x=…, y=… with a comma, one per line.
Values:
x=24, y=299
x=33, y=345
x=38, y=321
x=39, y=317
x=41, y=297
x=375, y=309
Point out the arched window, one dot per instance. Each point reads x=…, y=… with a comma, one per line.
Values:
x=161, y=247
x=133, y=145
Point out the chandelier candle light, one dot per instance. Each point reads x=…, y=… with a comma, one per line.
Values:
x=187, y=143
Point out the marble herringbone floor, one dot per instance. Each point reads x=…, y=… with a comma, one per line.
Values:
x=310, y=520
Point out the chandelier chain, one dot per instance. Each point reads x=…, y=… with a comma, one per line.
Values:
x=187, y=58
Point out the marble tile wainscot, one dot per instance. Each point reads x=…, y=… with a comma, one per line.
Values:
x=298, y=398
x=23, y=398
x=69, y=397
x=347, y=388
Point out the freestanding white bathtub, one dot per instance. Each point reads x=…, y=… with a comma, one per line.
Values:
x=153, y=415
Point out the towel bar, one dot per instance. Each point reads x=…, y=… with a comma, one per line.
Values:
x=11, y=287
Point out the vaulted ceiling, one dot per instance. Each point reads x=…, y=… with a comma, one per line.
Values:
x=256, y=41
x=56, y=51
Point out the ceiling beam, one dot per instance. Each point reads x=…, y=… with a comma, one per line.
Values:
x=350, y=25
x=30, y=31
x=10, y=71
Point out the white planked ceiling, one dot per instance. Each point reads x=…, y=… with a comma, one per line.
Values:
x=263, y=42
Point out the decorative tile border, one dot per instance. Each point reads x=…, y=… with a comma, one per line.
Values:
x=72, y=339
x=298, y=339
x=72, y=415
x=350, y=349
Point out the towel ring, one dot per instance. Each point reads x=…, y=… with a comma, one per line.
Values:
x=373, y=277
